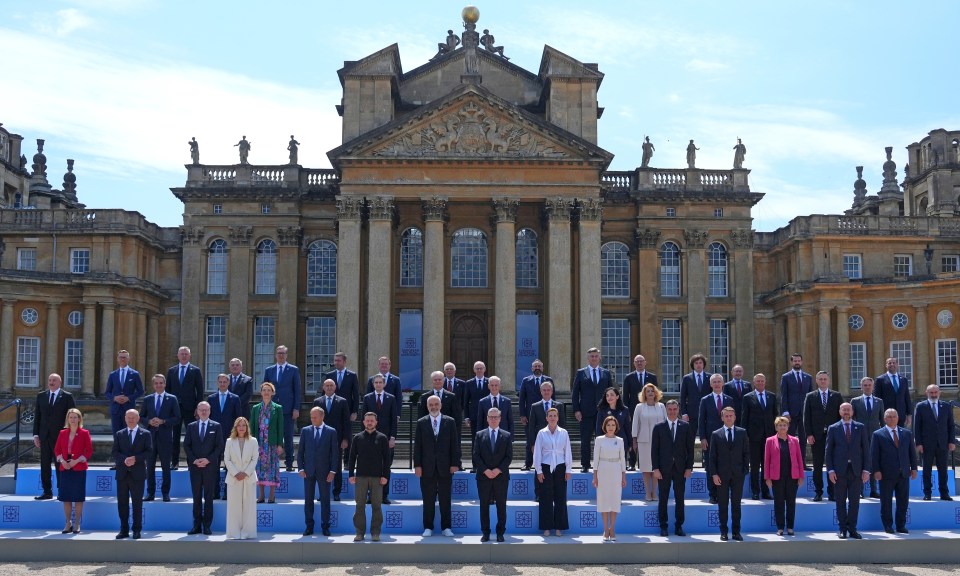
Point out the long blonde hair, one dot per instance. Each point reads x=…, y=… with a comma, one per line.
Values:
x=233, y=432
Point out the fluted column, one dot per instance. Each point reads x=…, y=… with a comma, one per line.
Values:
x=380, y=279
x=52, y=340
x=921, y=368
x=150, y=364
x=8, y=356
x=192, y=280
x=434, y=285
x=591, y=213
x=843, y=351
x=696, y=288
x=878, y=348
x=89, y=349
x=348, y=276
x=107, y=344
x=289, y=259
x=505, y=291
x=559, y=293
x=825, y=352
x=239, y=288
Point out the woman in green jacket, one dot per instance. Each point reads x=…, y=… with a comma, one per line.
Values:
x=266, y=419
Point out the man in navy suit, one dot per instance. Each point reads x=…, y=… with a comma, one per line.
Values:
x=848, y=467
x=933, y=429
x=131, y=445
x=589, y=385
x=737, y=388
x=318, y=457
x=224, y=409
x=436, y=458
x=161, y=412
x=449, y=403
x=894, y=389
x=529, y=394
x=474, y=390
x=694, y=386
x=185, y=381
x=671, y=454
x=124, y=387
x=285, y=377
x=337, y=416
x=241, y=385
x=203, y=443
x=348, y=386
x=710, y=418
x=894, y=463
x=453, y=384
x=391, y=383
x=50, y=416
x=384, y=406
x=499, y=401
x=821, y=408
x=492, y=454
x=537, y=420
x=795, y=384
x=759, y=413
x=728, y=464
x=633, y=384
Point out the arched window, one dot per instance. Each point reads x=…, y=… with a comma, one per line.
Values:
x=411, y=258
x=217, y=267
x=468, y=255
x=669, y=269
x=322, y=268
x=266, y=275
x=614, y=270
x=717, y=270
x=527, y=259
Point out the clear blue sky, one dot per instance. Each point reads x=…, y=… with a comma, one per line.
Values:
x=813, y=89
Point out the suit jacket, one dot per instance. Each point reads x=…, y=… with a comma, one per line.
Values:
x=890, y=460
x=530, y=393
x=816, y=417
x=436, y=454
x=338, y=417
x=473, y=392
x=131, y=387
x=243, y=388
x=387, y=415
x=349, y=387
x=771, y=458
x=231, y=410
x=459, y=388
x=730, y=389
x=793, y=393
x=392, y=385
x=933, y=433
x=318, y=457
x=237, y=461
x=82, y=446
x=506, y=412
x=209, y=447
x=672, y=455
x=49, y=420
x=632, y=386
x=896, y=399
x=486, y=457
x=757, y=420
x=189, y=392
x=839, y=451
x=275, y=430
x=169, y=413
x=709, y=418
x=873, y=420
x=537, y=420
x=691, y=394
x=449, y=406
x=728, y=460
x=289, y=392
x=122, y=449
x=586, y=394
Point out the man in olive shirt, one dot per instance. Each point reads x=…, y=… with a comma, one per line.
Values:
x=369, y=469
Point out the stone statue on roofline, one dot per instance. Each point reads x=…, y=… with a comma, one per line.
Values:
x=244, y=147
x=293, y=148
x=194, y=150
x=447, y=46
x=488, y=42
x=692, y=154
x=647, y=152
x=739, y=151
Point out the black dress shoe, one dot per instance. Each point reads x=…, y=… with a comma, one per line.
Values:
x=136, y=535
x=289, y=468
x=44, y=497
x=679, y=532
x=336, y=497
x=113, y=467
x=524, y=468
x=903, y=530
x=737, y=537
x=499, y=537
x=175, y=467
x=584, y=469
x=945, y=497
x=150, y=498
x=756, y=496
x=122, y=535
x=888, y=530
x=855, y=535
x=875, y=495
x=326, y=532
x=723, y=537
x=818, y=498
x=207, y=532
x=842, y=534
x=766, y=496
x=166, y=497
x=713, y=499
x=485, y=538
x=194, y=530
x=308, y=532
x=830, y=498
x=663, y=531
x=387, y=501
x=926, y=497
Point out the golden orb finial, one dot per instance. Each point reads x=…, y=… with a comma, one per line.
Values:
x=470, y=14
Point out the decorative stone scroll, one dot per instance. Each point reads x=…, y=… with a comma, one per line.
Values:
x=695, y=238
x=558, y=209
x=647, y=237
x=590, y=208
x=348, y=207
x=240, y=235
x=434, y=208
x=381, y=207
x=742, y=238
x=505, y=209
x=193, y=234
x=289, y=235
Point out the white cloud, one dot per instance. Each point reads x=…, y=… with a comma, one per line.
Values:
x=63, y=22
x=698, y=65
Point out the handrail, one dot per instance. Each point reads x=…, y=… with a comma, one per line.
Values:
x=15, y=441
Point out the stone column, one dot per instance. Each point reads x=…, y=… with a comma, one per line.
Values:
x=505, y=291
x=648, y=271
x=192, y=267
x=289, y=257
x=348, y=276
x=151, y=362
x=591, y=213
x=842, y=377
x=8, y=356
x=108, y=354
x=921, y=370
x=434, y=285
x=825, y=352
x=780, y=349
x=792, y=348
x=559, y=296
x=696, y=292
x=239, y=289
x=380, y=280
x=878, y=348
x=89, y=349
x=141, y=346
x=52, y=341
x=742, y=283
x=803, y=338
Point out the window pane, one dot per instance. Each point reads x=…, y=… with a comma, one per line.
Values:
x=468, y=254
x=719, y=346
x=79, y=260
x=322, y=269
x=526, y=255
x=947, y=363
x=615, y=343
x=217, y=268
x=717, y=270
x=26, y=258
x=858, y=363
x=851, y=266
x=411, y=258
x=214, y=358
x=264, y=336
x=72, y=363
x=669, y=269
x=266, y=276
x=321, y=346
x=671, y=362
x=903, y=352
x=902, y=265
x=614, y=270
x=28, y=362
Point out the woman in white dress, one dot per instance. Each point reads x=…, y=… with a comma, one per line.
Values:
x=609, y=475
x=648, y=413
x=240, y=456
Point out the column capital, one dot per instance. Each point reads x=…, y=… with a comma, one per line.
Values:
x=695, y=238
x=349, y=207
x=842, y=308
x=920, y=307
x=741, y=238
x=434, y=208
x=557, y=209
x=289, y=235
x=591, y=209
x=240, y=235
x=192, y=234
x=53, y=305
x=505, y=209
x=647, y=237
x=381, y=207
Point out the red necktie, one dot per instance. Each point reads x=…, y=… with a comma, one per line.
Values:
x=379, y=402
x=896, y=438
x=719, y=404
x=846, y=428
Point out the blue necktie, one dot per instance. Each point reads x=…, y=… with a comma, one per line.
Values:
x=493, y=440
x=183, y=373
x=222, y=398
x=159, y=403
x=328, y=404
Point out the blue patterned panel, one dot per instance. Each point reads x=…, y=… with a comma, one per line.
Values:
x=11, y=514
x=264, y=518
x=394, y=520
x=458, y=519
x=588, y=519
x=524, y=519
x=651, y=518
x=399, y=486
x=713, y=518
x=104, y=483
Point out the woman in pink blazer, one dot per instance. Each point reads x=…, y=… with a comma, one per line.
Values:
x=783, y=472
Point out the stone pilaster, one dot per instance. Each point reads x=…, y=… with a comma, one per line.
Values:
x=240, y=257
x=505, y=291
x=792, y=330
x=842, y=377
x=591, y=213
x=52, y=340
x=8, y=356
x=434, y=285
x=193, y=257
x=380, y=280
x=921, y=368
x=559, y=293
x=289, y=259
x=805, y=340
x=696, y=291
x=150, y=364
x=141, y=335
x=648, y=285
x=741, y=278
x=825, y=352
x=878, y=346
x=89, y=349
x=108, y=349
x=348, y=276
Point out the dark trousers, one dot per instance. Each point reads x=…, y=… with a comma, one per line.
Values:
x=849, y=486
x=528, y=452
x=679, y=483
x=162, y=450
x=819, y=455
x=492, y=491
x=186, y=418
x=730, y=493
x=47, y=470
x=796, y=429
x=436, y=487
x=756, y=468
x=338, y=478
x=940, y=458
x=203, y=482
x=288, y=425
x=785, y=499
x=588, y=425
x=386, y=487
x=894, y=486
x=130, y=488
x=711, y=487
x=310, y=484
x=553, y=498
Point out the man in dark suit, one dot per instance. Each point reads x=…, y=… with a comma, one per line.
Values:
x=285, y=377
x=474, y=390
x=589, y=385
x=868, y=410
x=499, y=401
x=203, y=443
x=894, y=463
x=538, y=415
x=758, y=413
x=224, y=410
x=933, y=430
x=124, y=387
x=348, y=386
x=492, y=454
x=449, y=403
x=694, y=386
x=453, y=384
x=337, y=416
x=671, y=453
x=795, y=384
x=709, y=418
x=728, y=464
x=131, y=445
x=436, y=458
x=50, y=416
x=529, y=394
x=185, y=381
x=848, y=467
x=633, y=384
x=894, y=389
x=737, y=388
x=383, y=405
x=318, y=457
x=821, y=408
x=241, y=385
x=161, y=412
x=391, y=383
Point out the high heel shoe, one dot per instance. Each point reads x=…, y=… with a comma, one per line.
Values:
x=68, y=529
x=76, y=526
x=260, y=500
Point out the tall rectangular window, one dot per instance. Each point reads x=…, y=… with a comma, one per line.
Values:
x=947, y=363
x=26, y=258
x=851, y=266
x=28, y=362
x=903, y=352
x=79, y=260
x=321, y=345
x=950, y=263
x=671, y=361
x=72, y=362
x=858, y=363
x=719, y=346
x=215, y=350
x=615, y=344
x=902, y=265
x=264, y=337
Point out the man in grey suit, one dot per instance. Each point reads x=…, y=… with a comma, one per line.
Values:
x=868, y=410
x=318, y=457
